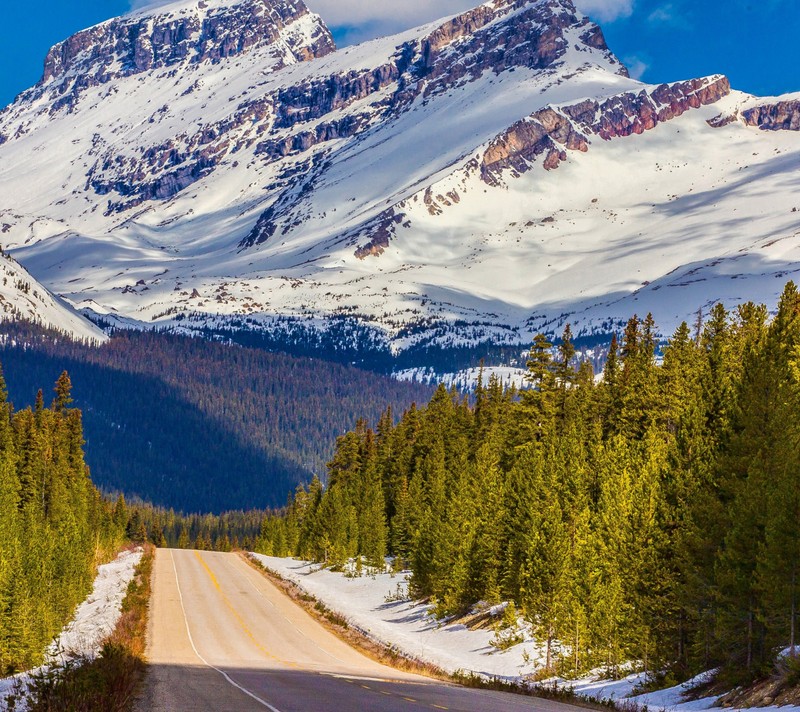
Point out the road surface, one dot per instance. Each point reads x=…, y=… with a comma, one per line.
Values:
x=223, y=638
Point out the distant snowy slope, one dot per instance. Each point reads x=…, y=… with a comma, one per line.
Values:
x=22, y=297
x=218, y=163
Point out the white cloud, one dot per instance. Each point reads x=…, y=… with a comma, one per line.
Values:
x=606, y=10
x=369, y=18
x=636, y=66
x=671, y=16
x=386, y=13
x=140, y=4
x=358, y=20
x=662, y=15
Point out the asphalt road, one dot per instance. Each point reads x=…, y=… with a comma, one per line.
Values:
x=223, y=638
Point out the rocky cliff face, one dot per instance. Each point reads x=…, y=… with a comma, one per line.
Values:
x=501, y=36
x=553, y=131
x=778, y=116
x=493, y=38
x=207, y=30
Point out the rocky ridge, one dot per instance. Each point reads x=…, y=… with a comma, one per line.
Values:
x=777, y=116
x=554, y=130
x=200, y=32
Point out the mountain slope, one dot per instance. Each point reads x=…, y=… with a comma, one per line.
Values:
x=23, y=298
x=476, y=179
x=200, y=426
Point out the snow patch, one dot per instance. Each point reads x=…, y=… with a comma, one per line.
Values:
x=374, y=604
x=93, y=622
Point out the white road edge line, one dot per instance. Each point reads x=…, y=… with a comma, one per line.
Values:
x=205, y=662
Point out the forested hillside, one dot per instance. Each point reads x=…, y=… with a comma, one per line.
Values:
x=649, y=516
x=54, y=526
x=201, y=426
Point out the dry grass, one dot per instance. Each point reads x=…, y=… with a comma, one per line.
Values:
x=108, y=682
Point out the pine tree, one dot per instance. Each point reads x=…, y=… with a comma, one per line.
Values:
x=544, y=564
x=537, y=402
x=183, y=539
x=63, y=392
x=372, y=517
x=612, y=388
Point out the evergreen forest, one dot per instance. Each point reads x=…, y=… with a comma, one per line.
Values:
x=54, y=526
x=200, y=426
x=650, y=515
x=166, y=528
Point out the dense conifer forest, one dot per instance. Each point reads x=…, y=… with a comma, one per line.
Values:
x=650, y=515
x=228, y=531
x=196, y=425
x=54, y=526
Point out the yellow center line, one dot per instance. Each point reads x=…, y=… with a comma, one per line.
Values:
x=440, y=707
x=266, y=652
x=240, y=620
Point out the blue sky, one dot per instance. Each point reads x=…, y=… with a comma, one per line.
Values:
x=752, y=41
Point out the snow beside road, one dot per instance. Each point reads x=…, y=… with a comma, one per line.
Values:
x=370, y=603
x=94, y=619
x=406, y=625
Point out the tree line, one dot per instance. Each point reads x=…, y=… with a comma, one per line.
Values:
x=54, y=526
x=166, y=528
x=649, y=515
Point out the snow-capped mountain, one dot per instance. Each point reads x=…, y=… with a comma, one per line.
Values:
x=218, y=163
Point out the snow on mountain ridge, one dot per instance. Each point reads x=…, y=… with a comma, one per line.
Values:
x=22, y=297
x=408, y=183
x=177, y=35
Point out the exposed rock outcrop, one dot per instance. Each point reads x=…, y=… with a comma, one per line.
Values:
x=522, y=34
x=276, y=149
x=545, y=132
x=298, y=181
x=554, y=130
x=379, y=233
x=139, y=43
x=778, y=116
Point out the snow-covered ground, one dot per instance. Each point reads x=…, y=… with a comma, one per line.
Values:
x=466, y=379
x=377, y=605
x=94, y=619
x=22, y=297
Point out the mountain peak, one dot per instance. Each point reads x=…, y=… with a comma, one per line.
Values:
x=185, y=32
x=521, y=31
